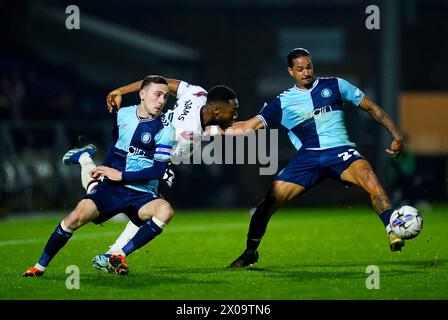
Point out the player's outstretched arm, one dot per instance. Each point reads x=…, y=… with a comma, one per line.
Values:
x=242, y=127
x=382, y=117
x=113, y=99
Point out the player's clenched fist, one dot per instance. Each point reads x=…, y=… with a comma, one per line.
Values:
x=110, y=173
x=113, y=100
x=396, y=147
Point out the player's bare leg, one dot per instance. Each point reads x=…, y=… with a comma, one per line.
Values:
x=88, y=183
x=280, y=193
x=131, y=229
x=84, y=212
x=361, y=174
x=157, y=215
x=83, y=157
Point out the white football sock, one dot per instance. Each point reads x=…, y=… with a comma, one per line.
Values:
x=119, y=252
x=65, y=228
x=39, y=267
x=388, y=229
x=159, y=223
x=87, y=164
x=128, y=233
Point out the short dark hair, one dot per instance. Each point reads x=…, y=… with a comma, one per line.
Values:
x=153, y=79
x=296, y=53
x=220, y=93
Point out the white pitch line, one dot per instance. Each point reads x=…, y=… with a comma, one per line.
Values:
x=94, y=235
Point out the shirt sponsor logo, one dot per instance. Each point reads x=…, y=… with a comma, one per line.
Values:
x=186, y=111
x=316, y=113
x=133, y=151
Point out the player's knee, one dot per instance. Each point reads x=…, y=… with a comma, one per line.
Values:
x=164, y=212
x=281, y=194
x=371, y=184
x=79, y=216
x=370, y=175
x=272, y=202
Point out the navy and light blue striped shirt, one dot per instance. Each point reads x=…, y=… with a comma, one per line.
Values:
x=140, y=149
x=315, y=117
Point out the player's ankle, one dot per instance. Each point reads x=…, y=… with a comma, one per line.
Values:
x=250, y=252
x=385, y=216
x=252, y=246
x=118, y=252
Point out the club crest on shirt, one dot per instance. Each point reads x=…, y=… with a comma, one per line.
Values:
x=326, y=93
x=146, y=137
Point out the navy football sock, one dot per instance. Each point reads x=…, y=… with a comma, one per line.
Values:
x=259, y=223
x=146, y=233
x=385, y=216
x=57, y=240
x=252, y=246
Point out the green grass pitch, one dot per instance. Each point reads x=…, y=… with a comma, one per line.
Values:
x=307, y=253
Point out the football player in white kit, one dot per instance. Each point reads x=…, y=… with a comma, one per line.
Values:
x=196, y=113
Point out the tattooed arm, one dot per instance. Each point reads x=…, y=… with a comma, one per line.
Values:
x=382, y=117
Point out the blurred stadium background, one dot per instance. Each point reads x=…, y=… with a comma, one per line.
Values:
x=54, y=82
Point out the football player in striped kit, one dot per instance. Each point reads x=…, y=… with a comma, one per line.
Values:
x=196, y=113
x=141, y=147
x=313, y=113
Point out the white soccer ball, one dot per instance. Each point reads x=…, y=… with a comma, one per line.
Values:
x=406, y=222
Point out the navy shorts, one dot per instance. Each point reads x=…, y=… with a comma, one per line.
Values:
x=309, y=167
x=112, y=199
